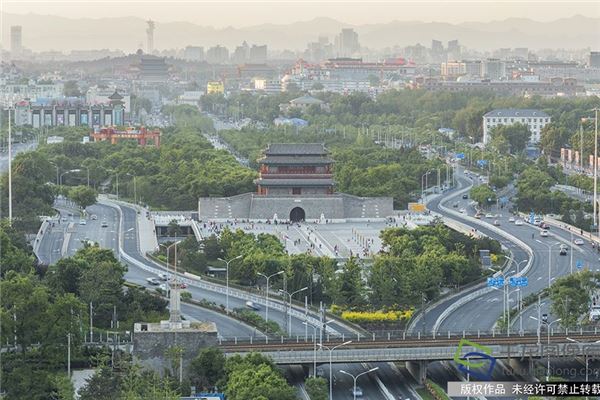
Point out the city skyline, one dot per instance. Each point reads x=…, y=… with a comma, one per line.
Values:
x=247, y=13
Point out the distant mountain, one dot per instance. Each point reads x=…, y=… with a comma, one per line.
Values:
x=45, y=32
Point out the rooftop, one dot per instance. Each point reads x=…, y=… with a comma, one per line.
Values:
x=306, y=100
x=294, y=182
x=292, y=160
x=291, y=149
x=516, y=112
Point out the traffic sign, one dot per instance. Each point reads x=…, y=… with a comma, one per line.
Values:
x=520, y=281
x=460, y=156
x=495, y=282
x=482, y=163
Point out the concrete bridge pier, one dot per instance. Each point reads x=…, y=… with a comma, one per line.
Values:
x=308, y=369
x=520, y=368
x=418, y=370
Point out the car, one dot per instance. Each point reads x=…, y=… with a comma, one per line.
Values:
x=455, y=205
x=164, y=287
x=94, y=217
x=357, y=391
x=519, y=222
x=163, y=277
x=478, y=215
x=70, y=214
x=488, y=215
x=153, y=281
x=545, y=317
x=496, y=223
x=253, y=306
x=544, y=233
x=563, y=251
x=511, y=219
x=183, y=285
x=544, y=225
x=578, y=242
x=104, y=224
x=462, y=211
x=82, y=222
x=465, y=196
x=64, y=219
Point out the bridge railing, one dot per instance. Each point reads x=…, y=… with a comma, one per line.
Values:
x=381, y=336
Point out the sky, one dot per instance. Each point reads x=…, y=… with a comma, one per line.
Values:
x=242, y=13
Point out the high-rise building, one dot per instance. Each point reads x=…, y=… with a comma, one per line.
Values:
x=193, y=53
x=217, y=55
x=153, y=69
x=241, y=53
x=493, y=69
x=16, y=40
x=595, y=59
x=258, y=54
x=150, y=36
x=347, y=43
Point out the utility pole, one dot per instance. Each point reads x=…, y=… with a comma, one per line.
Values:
x=91, y=322
x=595, y=166
x=69, y=355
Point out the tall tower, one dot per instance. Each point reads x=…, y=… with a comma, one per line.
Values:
x=16, y=40
x=150, y=36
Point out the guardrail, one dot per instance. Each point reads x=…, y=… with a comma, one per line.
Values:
x=239, y=294
x=472, y=296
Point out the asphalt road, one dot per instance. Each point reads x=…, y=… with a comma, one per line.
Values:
x=482, y=313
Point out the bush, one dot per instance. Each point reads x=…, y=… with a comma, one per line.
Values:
x=186, y=295
x=259, y=322
x=316, y=388
x=376, y=316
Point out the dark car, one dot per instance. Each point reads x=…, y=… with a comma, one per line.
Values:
x=465, y=196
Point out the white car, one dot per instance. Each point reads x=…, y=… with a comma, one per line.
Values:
x=82, y=222
x=511, y=219
x=357, y=392
x=462, y=211
x=153, y=281
x=162, y=277
x=489, y=215
x=519, y=222
x=578, y=242
x=544, y=233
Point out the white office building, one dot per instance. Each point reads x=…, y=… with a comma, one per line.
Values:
x=534, y=119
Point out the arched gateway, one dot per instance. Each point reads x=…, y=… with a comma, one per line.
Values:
x=297, y=214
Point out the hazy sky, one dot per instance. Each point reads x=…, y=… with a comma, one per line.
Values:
x=242, y=13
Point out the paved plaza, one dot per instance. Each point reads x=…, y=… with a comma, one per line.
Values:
x=338, y=240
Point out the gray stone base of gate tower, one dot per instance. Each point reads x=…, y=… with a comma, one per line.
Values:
x=418, y=370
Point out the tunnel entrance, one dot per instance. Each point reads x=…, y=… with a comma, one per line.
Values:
x=297, y=214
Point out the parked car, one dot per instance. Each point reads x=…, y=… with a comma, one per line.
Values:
x=153, y=281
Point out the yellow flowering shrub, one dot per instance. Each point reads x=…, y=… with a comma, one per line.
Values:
x=376, y=316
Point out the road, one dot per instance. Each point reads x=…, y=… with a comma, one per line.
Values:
x=483, y=313
x=16, y=149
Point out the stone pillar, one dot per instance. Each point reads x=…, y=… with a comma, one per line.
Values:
x=418, y=370
x=175, y=302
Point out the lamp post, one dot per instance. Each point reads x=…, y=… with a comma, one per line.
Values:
x=424, y=179
x=330, y=364
x=57, y=170
x=548, y=369
x=550, y=246
x=356, y=377
x=509, y=309
x=586, y=355
x=134, y=188
x=520, y=294
x=289, y=314
x=227, y=280
x=314, y=347
x=267, y=278
x=504, y=290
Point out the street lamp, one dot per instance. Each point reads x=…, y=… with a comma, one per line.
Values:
x=66, y=172
x=548, y=350
x=550, y=246
x=509, y=309
x=55, y=166
x=322, y=346
x=267, y=278
x=586, y=354
x=227, y=280
x=290, y=306
x=314, y=347
x=520, y=293
x=424, y=177
x=356, y=377
x=134, y=187
x=504, y=286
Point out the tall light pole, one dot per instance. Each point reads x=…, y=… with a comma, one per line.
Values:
x=314, y=347
x=548, y=369
x=424, y=178
x=331, y=362
x=520, y=293
x=595, y=165
x=550, y=246
x=267, y=278
x=67, y=172
x=586, y=354
x=134, y=188
x=289, y=314
x=356, y=377
x=509, y=308
x=227, y=280
x=10, y=212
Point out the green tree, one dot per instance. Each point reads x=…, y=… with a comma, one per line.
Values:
x=173, y=229
x=261, y=381
x=515, y=135
x=83, y=196
x=208, y=368
x=317, y=388
x=351, y=286
x=483, y=195
x=71, y=89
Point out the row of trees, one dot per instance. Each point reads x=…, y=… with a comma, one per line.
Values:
x=414, y=262
x=572, y=295
x=39, y=308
